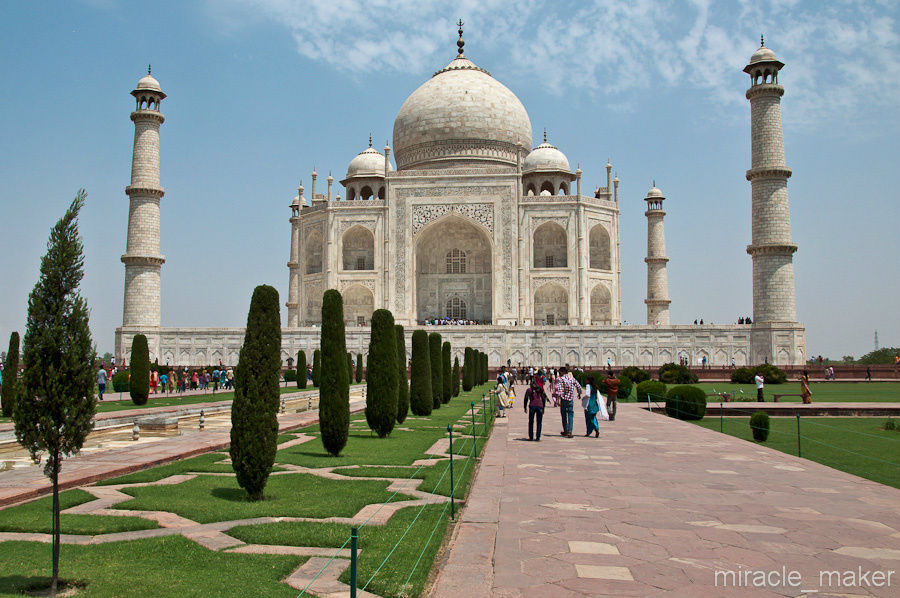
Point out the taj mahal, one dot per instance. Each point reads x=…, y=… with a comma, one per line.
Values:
x=473, y=223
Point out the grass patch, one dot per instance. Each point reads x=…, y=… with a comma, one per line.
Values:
x=206, y=499
x=857, y=445
x=204, y=463
x=822, y=392
x=375, y=543
x=36, y=516
x=170, y=566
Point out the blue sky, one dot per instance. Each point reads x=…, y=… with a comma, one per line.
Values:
x=260, y=91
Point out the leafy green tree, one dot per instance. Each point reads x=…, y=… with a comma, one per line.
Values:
x=10, y=376
x=139, y=383
x=301, y=369
x=468, y=380
x=317, y=367
x=334, y=392
x=56, y=401
x=402, y=380
x=254, y=411
x=359, y=368
x=437, y=382
x=420, y=401
x=455, y=384
x=881, y=356
x=446, y=372
x=381, y=382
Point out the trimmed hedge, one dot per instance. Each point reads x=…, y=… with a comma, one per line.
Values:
x=437, y=371
x=636, y=374
x=290, y=375
x=673, y=373
x=301, y=369
x=120, y=381
x=770, y=373
x=140, y=370
x=402, y=376
x=759, y=426
x=381, y=383
x=686, y=402
x=652, y=387
x=420, y=402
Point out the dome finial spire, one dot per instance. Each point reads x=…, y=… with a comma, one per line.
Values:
x=545, y=134
x=762, y=40
x=370, y=140
x=148, y=68
x=460, y=43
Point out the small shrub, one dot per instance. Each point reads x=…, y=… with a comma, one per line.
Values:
x=890, y=425
x=635, y=374
x=672, y=373
x=770, y=373
x=290, y=375
x=654, y=388
x=742, y=376
x=759, y=425
x=686, y=402
x=120, y=381
x=140, y=370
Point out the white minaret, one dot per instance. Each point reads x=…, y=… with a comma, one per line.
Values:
x=293, y=302
x=142, y=257
x=657, y=277
x=771, y=248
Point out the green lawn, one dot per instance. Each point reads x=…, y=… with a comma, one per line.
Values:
x=403, y=549
x=169, y=566
x=822, y=392
x=857, y=445
x=36, y=516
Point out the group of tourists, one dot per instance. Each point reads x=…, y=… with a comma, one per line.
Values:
x=560, y=389
x=451, y=322
x=173, y=381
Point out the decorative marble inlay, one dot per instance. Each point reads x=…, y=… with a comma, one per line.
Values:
x=482, y=213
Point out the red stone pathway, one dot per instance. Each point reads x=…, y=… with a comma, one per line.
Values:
x=655, y=507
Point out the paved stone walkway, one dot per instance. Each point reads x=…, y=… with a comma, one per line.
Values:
x=656, y=507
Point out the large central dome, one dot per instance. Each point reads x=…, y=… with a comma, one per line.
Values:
x=462, y=116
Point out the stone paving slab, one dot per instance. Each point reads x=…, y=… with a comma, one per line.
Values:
x=17, y=485
x=656, y=507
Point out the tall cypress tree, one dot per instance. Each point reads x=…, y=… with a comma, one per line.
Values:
x=402, y=380
x=468, y=369
x=254, y=410
x=381, y=383
x=446, y=372
x=455, y=377
x=317, y=367
x=334, y=393
x=437, y=384
x=485, y=371
x=301, y=369
x=359, y=368
x=420, y=402
x=10, y=376
x=55, y=400
x=349, y=368
x=139, y=381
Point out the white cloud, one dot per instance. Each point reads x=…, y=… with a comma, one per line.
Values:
x=842, y=57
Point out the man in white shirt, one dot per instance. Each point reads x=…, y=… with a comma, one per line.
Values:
x=760, y=382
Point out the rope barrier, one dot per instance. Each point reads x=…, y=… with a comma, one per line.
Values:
x=336, y=552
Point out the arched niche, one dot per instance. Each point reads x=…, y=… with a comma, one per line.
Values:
x=359, y=303
x=464, y=247
x=312, y=251
x=601, y=305
x=550, y=248
x=600, y=249
x=358, y=249
x=551, y=305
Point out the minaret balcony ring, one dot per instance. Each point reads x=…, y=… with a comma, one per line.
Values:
x=656, y=260
x=764, y=89
x=140, y=190
x=148, y=115
x=769, y=172
x=772, y=249
x=144, y=260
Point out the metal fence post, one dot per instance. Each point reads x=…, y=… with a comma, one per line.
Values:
x=450, y=452
x=649, y=406
x=484, y=414
x=799, y=454
x=354, y=537
x=474, y=442
x=721, y=418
